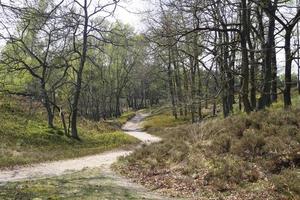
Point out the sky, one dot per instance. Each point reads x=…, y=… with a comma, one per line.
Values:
x=131, y=12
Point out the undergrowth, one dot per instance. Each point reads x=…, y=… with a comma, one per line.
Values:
x=254, y=156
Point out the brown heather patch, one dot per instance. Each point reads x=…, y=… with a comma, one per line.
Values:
x=241, y=157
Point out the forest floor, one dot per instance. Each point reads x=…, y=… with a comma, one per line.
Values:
x=94, y=178
x=247, y=157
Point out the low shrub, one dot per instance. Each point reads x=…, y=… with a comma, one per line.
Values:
x=288, y=182
x=236, y=154
x=250, y=145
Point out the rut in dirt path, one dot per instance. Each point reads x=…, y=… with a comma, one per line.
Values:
x=57, y=168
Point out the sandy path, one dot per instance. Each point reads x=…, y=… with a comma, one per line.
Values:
x=57, y=168
x=133, y=128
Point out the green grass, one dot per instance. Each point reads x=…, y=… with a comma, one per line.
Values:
x=90, y=184
x=125, y=117
x=26, y=138
x=119, y=122
x=160, y=119
x=279, y=104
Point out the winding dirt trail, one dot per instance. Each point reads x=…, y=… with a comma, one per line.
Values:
x=103, y=161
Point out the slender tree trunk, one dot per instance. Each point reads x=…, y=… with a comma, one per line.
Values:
x=214, y=109
x=199, y=94
x=186, y=91
x=245, y=61
x=178, y=82
x=171, y=86
x=231, y=82
x=47, y=105
x=288, y=69
x=74, y=131
x=63, y=121
x=253, y=66
x=194, y=66
x=265, y=99
x=240, y=102
x=298, y=54
x=193, y=90
x=206, y=93
x=117, y=108
x=274, y=96
x=298, y=83
x=50, y=115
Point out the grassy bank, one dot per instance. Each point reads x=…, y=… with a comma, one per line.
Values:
x=25, y=137
x=241, y=157
x=160, y=119
x=119, y=122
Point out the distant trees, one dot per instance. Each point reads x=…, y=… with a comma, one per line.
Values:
x=240, y=40
x=195, y=54
x=71, y=58
x=110, y=73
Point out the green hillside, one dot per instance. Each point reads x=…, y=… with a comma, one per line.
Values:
x=26, y=138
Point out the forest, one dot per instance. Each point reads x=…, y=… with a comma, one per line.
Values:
x=212, y=87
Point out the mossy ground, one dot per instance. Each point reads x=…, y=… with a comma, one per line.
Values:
x=26, y=138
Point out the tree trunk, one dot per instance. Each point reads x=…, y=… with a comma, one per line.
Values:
x=274, y=96
x=117, y=109
x=74, y=131
x=63, y=121
x=253, y=66
x=171, y=86
x=288, y=69
x=186, y=91
x=200, y=117
x=245, y=61
x=194, y=66
x=265, y=99
x=47, y=105
x=298, y=55
x=178, y=83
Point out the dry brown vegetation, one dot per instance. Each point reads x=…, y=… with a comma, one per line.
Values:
x=241, y=157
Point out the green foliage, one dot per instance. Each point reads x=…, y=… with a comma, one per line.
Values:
x=162, y=118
